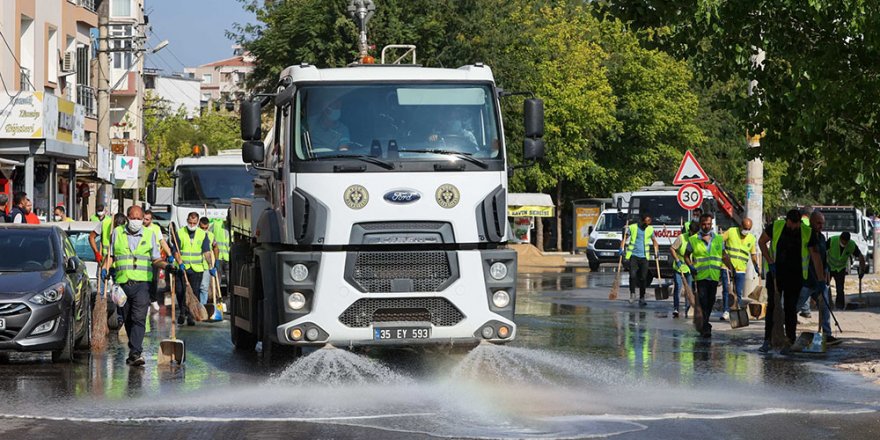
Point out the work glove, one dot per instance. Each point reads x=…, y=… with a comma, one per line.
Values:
x=620, y=252
x=99, y=258
x=757, y=268
x=182, y=267
x=693, y=269
x=772, y=268
x=213, y=271
x=170, y=260
x=821, y=287
x=104, y=274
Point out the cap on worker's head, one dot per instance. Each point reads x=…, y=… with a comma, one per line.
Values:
x=845, y=236
x=793, y=215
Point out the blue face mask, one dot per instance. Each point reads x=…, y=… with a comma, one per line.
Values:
x=334, y=114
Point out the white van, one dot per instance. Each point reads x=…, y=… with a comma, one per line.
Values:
x=605, y=238
x=840, y=219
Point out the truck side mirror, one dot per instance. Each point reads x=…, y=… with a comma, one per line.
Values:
x=533, y=149
x=250, y=121
x=151, y=187
x=533, y=112
x=252, y=151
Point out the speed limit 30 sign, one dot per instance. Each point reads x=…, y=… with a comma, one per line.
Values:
x=690, y=196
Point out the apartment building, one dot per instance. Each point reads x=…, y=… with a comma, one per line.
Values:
x=175, y=91
x=223, y=81
x=47, y=104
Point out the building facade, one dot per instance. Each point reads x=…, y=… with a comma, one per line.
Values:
x=174, y=92
x=223, y=81
x=47, y=106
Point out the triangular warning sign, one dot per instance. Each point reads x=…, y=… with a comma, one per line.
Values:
x=690, y=171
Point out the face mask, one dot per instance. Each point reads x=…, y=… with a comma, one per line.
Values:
x=334, y=114
x=743, y=233
x=191, y=228
x=57, y=218
x=135, y=225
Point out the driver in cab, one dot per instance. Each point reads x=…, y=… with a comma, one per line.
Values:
x=326, y=131
x=452, y=132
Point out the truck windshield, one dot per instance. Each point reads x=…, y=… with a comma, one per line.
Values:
x=397, y=123
x=664, y=210
x=611, y=223
x=212, y=185
x=841, y=221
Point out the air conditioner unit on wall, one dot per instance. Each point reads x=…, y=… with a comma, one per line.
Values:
x=68, y=63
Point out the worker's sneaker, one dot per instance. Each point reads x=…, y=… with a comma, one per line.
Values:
x=675, y=313
x=642, y=302
x=632, y=297
x=181, y=319
x=831, y=340
x=135, y=360
x=765, y=347
x=154, y=306
x=190, y=321
x=806, y=315
x=725, y=316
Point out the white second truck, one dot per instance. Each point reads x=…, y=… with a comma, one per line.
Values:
x=378, y=214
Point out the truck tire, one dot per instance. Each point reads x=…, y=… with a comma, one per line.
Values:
x=241, y=339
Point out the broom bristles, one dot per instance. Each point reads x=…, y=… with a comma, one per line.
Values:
x=99, y=323
x=196, y=309
x=777, y=334
x=614, y=288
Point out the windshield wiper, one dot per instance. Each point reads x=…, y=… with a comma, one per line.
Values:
x=361, y=157
x=461, y=155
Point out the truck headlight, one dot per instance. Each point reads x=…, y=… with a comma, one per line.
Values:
x=50, y=295
x=498, y=270
x=299, y=272
x=296, y=301
x=501, y=298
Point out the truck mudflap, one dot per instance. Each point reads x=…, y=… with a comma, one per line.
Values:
x=474, y=306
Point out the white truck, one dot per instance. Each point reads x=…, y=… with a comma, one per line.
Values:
x=840, y=219
x=378, y=214
x=604, y=241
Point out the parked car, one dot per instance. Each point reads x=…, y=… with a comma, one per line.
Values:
x=44, y=292
x=78, y=233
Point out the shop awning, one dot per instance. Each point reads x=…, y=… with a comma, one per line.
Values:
x=529, y=205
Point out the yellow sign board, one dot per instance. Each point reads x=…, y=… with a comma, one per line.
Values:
x=530, y=211
x=585, y=216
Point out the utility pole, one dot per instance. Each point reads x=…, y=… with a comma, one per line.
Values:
x=103, y=89
x=876, y=224
x=755, y=177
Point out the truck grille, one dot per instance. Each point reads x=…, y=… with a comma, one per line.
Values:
x=607, y=243
x=426, y=271
x=439, y=311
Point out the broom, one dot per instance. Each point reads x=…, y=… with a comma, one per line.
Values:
x=99, y=321
x=778, y=340
x=196, y=309
x=615, y=288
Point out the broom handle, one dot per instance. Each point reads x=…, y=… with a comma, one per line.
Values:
x=215, y=285
x=173, y=309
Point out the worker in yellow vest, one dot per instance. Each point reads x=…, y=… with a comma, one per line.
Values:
x=134, y=252
x=205, y=225
x=740, y=244
x=840, y=250
x=156, y=297
x=192, y=254
x=706, y=254
x=638, y=239
x=683, y=273
x=784, y=244
x=221, y=234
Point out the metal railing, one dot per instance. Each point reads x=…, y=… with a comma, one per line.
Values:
x=88, y=4
x=25, y=83
x=85, y=96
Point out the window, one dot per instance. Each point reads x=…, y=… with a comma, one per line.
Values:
x=26, y=56
x=206, y=96
x=207, y=78
x=120, y=46
x=120, y=8
x=52, y=55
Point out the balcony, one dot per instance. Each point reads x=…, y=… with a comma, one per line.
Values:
x=88, y=4
x=85, y=96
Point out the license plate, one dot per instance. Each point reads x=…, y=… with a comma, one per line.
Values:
x=393, y=333
x=2, y=324
x=608, y=254
x=664, y=257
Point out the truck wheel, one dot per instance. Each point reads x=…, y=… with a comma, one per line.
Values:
x=594, y=266
x=241, y=339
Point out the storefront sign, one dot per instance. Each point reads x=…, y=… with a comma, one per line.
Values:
x=105, y=164
x=530, y=211
x=125, y=168
x=38, y=115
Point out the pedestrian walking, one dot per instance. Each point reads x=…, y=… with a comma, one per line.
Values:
x=99, y=213
x=840, y=250
x=193, y=252
x=221, y=234
x=816, y=284
x=740, y=245
x=638, y=239
x=133, y=252
x=784, y=244
x=706, y=254
x=4, y=200
x=683, y=273
x=59, y=214
x=205, y=225
x=17, y=213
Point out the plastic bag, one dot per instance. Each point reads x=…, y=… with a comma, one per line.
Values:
x=118, y=296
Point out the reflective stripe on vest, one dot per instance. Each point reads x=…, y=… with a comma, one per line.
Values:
x=679, y=265
x=191, y=250
x=805, y=238
x=137, y=266
x=222, y=236
x=739, y=249
x=837, y=259
x=649, y=232
x=707, y=262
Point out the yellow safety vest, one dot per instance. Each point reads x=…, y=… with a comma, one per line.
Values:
x=222, y=236
x=707, y=262
x=838, y=260
x=805, y=238
x=137, y=265
x=679, y=265
x=649, y=232
x=740, y=249
x=191, y=250
x=106, y=230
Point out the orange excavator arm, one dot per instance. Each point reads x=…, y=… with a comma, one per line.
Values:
x=725, y=201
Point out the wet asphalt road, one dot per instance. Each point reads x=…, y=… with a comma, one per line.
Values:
x=582, y=366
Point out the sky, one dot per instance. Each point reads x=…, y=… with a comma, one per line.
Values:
x=195, y=30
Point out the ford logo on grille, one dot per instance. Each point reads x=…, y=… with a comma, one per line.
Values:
x=402, y=196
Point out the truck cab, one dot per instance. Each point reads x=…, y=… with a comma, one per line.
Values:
x=840, y=219
x=378, y=214
x=207, y=184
